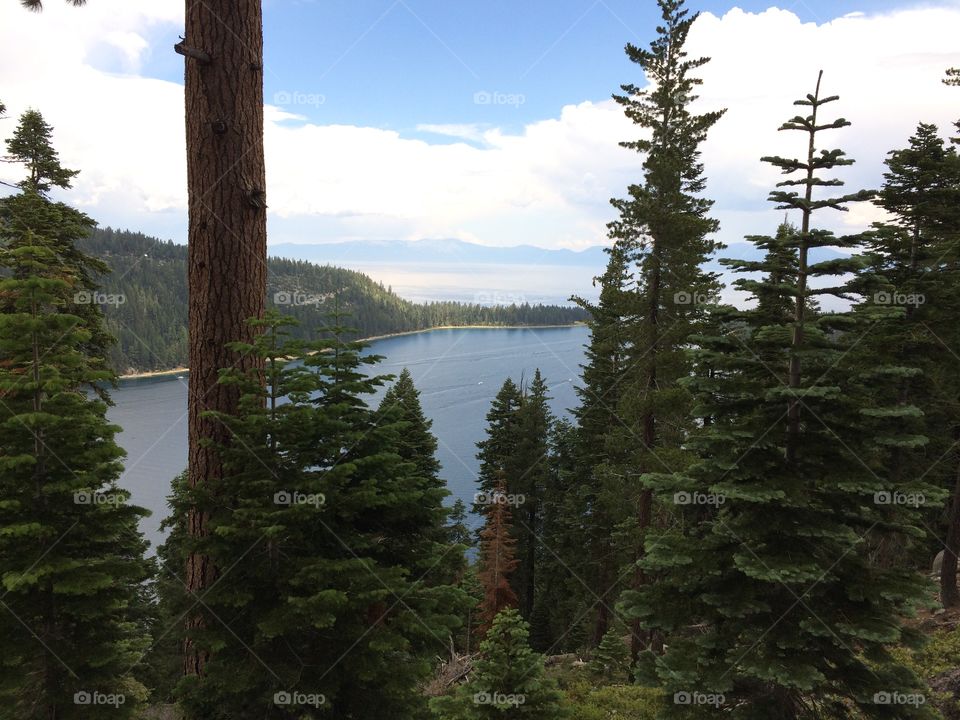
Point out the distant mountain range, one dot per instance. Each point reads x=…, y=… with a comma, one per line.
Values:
x=444, y=251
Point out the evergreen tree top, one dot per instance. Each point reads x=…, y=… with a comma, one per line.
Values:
x=919, y=181
x=816, y=160
x=664, y=109
x=32, y=145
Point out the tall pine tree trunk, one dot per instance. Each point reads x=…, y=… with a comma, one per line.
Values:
x=530, y=560
x=226, y=180
x=645, y=504
x=800, y=311
x=604, y=574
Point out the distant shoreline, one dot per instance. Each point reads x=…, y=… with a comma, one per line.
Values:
x=183, y=370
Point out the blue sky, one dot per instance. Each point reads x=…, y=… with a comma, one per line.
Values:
x=395, y=64
x=485, y=121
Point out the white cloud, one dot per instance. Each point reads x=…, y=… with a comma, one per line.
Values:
x=548, y=185
x=887, y=69
x=473, y=132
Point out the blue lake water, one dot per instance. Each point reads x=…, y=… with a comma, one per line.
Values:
x=458, y=372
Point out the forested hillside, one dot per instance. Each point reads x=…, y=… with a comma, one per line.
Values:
x=750, y=512
x=145, y=301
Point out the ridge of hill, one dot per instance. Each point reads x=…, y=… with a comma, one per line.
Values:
x=145, y=301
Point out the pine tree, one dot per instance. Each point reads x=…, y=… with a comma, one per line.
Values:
x=914, y=263
x=666, y=232
x=563, y=598
x=768, y=595
x=600, y=456
x=31, y=218
x=460, y=536
x=458, y=533
x=472, y=587
x=508, y=679
x=71, y=556
x=611, y=659
x=162, y=664
x=497, y=558
x=416, y=444
x=500, y=444
x=31, y=144
x=530, y=463
x=330, y=610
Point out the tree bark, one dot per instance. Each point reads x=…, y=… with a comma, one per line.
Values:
x=530, y=561
x=645, y=503
x=602, y=623
x=226, y=182
x=800, y=311
x=948, y=572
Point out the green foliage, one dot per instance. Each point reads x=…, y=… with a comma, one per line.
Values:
x=611, y=659
x=939, y=653
x=30, y=219
x=614, y=702
x=73, y=611
x=768, y=594
x=559, y=623
x=507, y=679
x=151, y=325
x=31, y=144
x=517, y=468
x=401, y=412
x=162, y=665
x=471, y=620
x=530, y=463
x=654, y=296
x=912, y=264
x=457, y=529
x=330, y=538
x=598, y=485
x=496, y=452
x=937, y=656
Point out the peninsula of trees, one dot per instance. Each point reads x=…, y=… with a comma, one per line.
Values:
x=145, y=301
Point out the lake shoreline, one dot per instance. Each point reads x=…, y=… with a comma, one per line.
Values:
x=372, y=338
